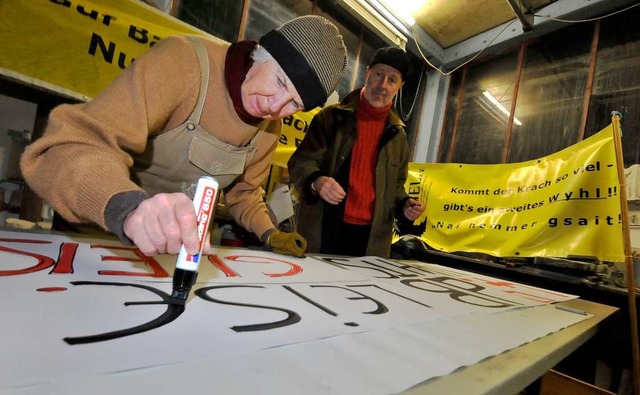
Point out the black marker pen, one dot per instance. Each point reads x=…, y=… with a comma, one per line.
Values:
x=186, y=272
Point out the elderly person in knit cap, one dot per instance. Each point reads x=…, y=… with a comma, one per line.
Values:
x=352, y=165
x=190, y=106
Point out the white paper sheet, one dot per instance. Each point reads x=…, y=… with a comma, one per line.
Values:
x=324, y=324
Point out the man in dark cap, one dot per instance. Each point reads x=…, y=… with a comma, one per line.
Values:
x=352, y=165
x=190, y=106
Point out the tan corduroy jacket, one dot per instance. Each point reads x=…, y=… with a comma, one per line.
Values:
x=84, y=158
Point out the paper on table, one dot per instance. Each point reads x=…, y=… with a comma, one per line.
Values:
x=247, y=305
x=378, y=362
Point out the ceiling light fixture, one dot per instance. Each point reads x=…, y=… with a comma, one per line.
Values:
x=387, y=15
x=496, y=103
x=403, y=9
x=373, y=18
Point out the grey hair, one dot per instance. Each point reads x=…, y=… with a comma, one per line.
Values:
x=261, y=55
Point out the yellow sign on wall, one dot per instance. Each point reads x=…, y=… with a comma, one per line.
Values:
x=294, y=128
x=79, y=46
x=565, y=204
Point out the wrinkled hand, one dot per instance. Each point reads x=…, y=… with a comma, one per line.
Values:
x=287, y=243
x=329, y=190
x=162, y=223
x=413, y=209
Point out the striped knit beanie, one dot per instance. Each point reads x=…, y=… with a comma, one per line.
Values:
x=311, y=52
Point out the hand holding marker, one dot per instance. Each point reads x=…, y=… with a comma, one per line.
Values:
x=186, y=272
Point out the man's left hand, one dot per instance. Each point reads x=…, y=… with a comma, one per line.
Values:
x=287, y=243
x=413, y=209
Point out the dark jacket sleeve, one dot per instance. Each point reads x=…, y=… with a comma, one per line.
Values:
x=401, y=193
x=306, y=163
x=403, y=225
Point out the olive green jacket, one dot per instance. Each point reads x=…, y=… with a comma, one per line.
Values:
x=326, y=150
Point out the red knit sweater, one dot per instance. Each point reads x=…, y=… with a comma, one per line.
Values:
x=361, y=195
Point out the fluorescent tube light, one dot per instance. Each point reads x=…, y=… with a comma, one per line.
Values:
x=371, y=17
x=401, y=8
x=496, y=103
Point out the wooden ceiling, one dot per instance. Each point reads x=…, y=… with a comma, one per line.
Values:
x=450, y=32
x=450, y=22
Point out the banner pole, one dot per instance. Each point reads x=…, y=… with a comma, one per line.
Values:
x=626, y=235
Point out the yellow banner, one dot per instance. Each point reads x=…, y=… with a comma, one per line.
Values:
x=563, y=205
x=293, y=129
x=79, y=46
